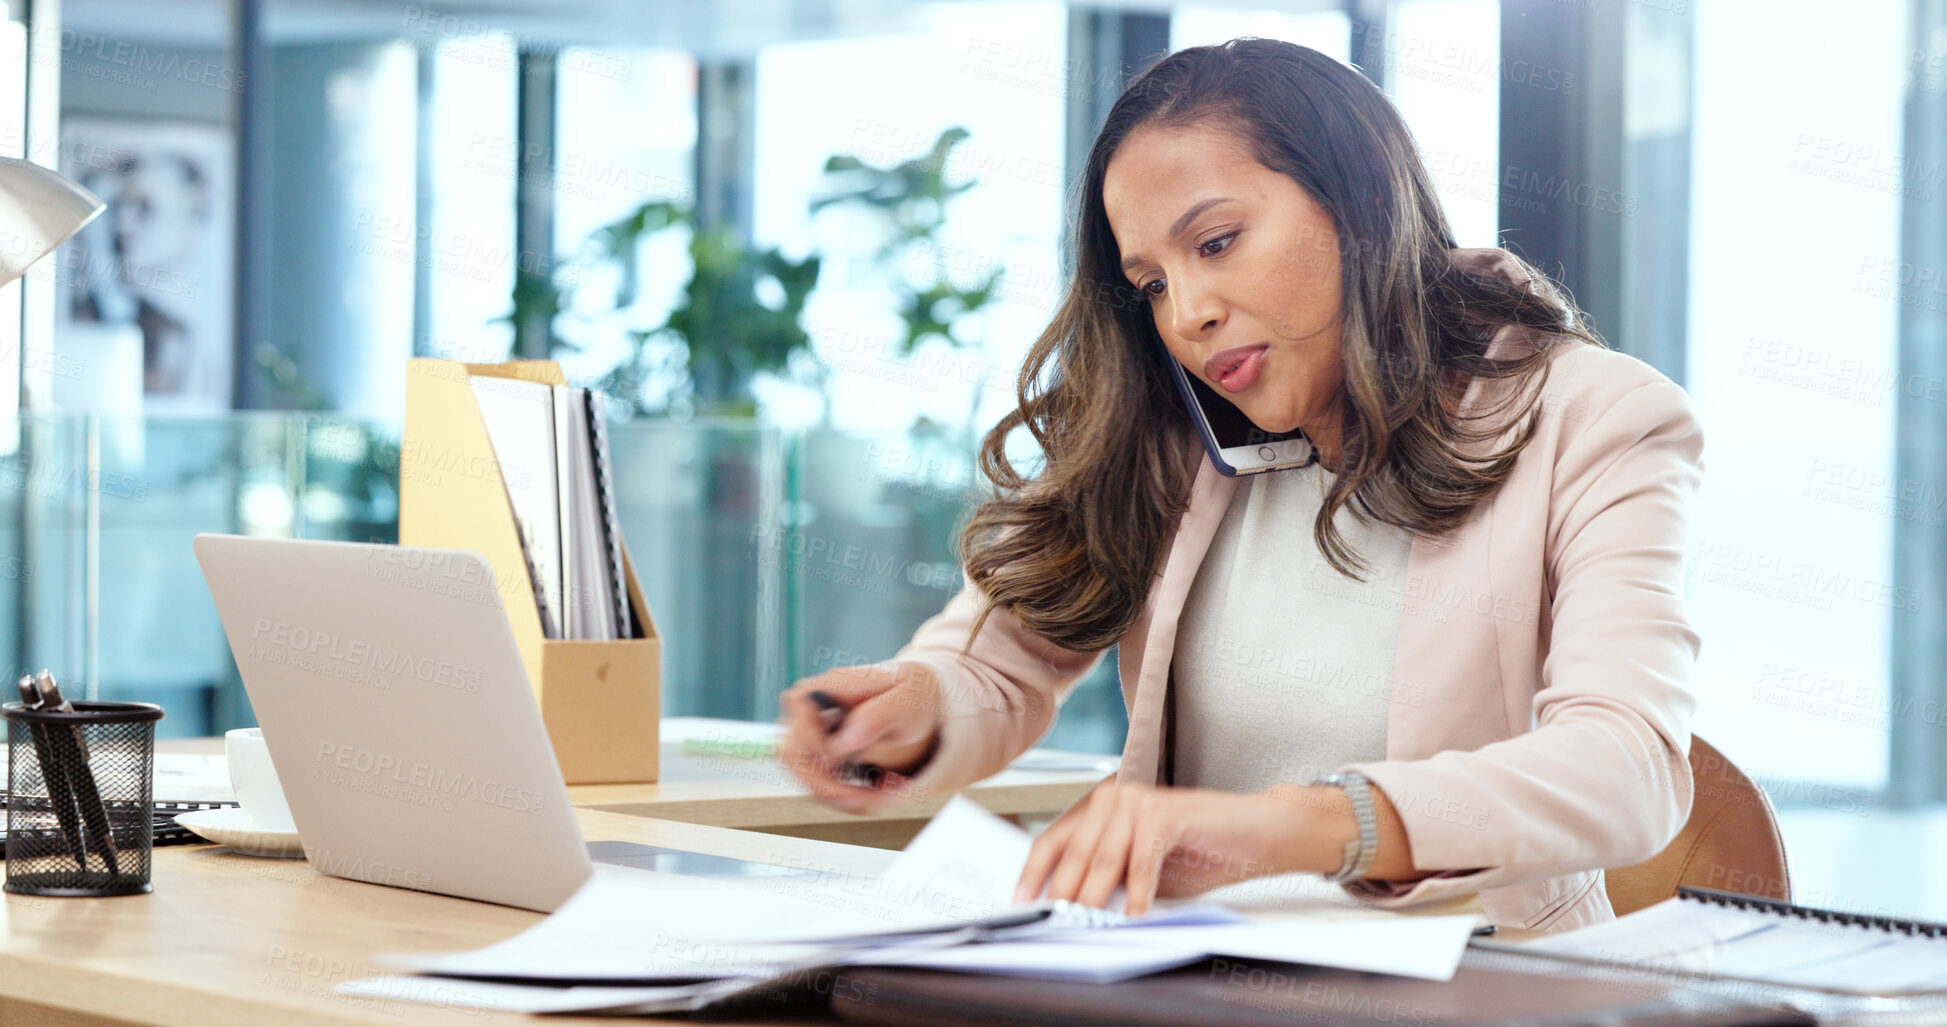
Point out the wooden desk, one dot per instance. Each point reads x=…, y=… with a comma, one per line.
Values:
x=760, y=795
x=238, y=940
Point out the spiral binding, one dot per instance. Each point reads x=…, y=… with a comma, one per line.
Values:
x=165, y=829
x=1760, y=904
x=605, y=490
x=1064, y=913
x=168, y=832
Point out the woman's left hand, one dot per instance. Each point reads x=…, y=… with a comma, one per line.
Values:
x=1162, y=842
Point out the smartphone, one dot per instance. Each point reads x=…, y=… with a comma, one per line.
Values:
x=1236, y=445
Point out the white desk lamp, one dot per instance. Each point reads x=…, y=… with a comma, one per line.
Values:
x=39, y=210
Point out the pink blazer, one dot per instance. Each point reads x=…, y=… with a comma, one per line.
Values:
x=1549, y=637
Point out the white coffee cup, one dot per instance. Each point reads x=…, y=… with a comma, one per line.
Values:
x=254, y=778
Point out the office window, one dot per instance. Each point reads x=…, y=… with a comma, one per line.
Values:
x=13, y=143
x=471, y=159
x=864, y=547
x=1440, y=63
x=997, y=70
x=625, y=136
x=1443, y=71
x=1793, y=320
x=1329, y=32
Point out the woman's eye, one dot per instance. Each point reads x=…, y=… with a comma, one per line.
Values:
x=1152, y=288
x=1224, y=240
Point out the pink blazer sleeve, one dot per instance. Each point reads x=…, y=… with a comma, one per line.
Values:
x=999, y=698
x=1603, y=780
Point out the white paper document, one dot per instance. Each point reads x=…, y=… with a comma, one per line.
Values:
x=1685, y=936
x=179, y=777
x=1094, y=964
x=969, y=857
x=639, y=926
x=943, y=903
x=1666, y=929
x=1408, y=946
x=192, y=777
x=521, y=998
x=519, y=416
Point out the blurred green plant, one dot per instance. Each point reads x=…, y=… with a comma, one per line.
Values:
x=354, y=463
x=287, y=378
x=741, y=313
x=911, y=199
x=742, y=310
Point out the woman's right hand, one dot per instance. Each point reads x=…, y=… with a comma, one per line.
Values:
x=892, y=721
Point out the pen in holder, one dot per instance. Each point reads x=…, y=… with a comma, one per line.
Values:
x=80, y=783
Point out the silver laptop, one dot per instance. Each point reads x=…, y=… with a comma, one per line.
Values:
x=398, y=714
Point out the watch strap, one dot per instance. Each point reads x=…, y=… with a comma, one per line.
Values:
x=1362, y=850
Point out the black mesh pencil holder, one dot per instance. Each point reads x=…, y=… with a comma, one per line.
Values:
x=79, y=792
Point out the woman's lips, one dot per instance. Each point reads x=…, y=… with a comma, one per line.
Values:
x=1236, y=369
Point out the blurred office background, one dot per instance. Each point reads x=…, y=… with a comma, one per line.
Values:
x=803, y=245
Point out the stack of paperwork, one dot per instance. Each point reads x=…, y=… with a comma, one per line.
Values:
x=636, y=941
x=1744, y=938
x=551, y=442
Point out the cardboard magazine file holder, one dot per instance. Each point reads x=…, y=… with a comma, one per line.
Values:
x=601, y=700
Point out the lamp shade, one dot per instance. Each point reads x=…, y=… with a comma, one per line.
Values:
x=39, y=210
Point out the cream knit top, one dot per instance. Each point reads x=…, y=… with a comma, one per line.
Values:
x=1283, y=666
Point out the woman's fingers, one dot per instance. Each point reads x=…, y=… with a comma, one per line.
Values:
x=805, y=751
x=889, y=711
x=1103, y=871
x=884, y=721
x=1150, y=842
x=1116, y=837
x=1047, y=849
x=1151, y=845
x=805, y=743
x=1066, y=879
x=888, y=719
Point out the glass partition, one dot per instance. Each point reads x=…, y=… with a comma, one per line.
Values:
x=692, y=497
x=765, y=554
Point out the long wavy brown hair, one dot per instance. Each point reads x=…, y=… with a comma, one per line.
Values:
x=1071, y=550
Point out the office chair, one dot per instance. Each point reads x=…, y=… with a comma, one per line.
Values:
x=1730, y=843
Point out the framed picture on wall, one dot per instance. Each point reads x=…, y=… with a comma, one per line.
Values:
x=157, y=262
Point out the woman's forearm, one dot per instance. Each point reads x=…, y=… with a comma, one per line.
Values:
x=1318, y=822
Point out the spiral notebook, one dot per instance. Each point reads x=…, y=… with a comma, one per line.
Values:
x=1724, y=935
x=184, y=783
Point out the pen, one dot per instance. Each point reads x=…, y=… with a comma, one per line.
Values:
x=831, y=714
x=80, y=776
x=53, y=773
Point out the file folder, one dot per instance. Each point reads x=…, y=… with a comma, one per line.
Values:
x=1251, y=992
x=601, y=699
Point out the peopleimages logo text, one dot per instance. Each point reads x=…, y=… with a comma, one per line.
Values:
x=422, y=775
x=365, y=654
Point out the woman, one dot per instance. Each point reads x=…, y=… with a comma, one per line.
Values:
x=1451, y=656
